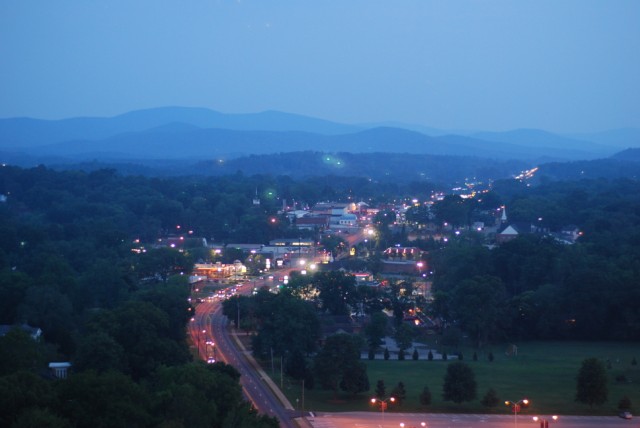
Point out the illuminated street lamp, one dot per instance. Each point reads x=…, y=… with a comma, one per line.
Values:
x=422, y=424
x=544, y=423
x=516, y=406
x=383, y=404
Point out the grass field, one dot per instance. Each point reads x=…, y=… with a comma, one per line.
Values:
x=543, y=372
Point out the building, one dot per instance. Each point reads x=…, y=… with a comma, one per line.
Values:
x=319, y=223
x=60, y=370
x=34, y=332
x=219, y=270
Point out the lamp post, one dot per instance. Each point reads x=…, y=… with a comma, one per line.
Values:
x=383, y=404
x=204, y=336
x=544, y=423
x=516, y=405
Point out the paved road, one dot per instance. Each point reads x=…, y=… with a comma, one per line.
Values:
x=393, y=420
x=210, y=324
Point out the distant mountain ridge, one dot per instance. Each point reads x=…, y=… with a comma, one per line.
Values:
x=27, y=132
x=200, y=133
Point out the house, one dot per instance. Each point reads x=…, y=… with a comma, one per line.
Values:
x=408, y=253
x=320, y=222
x=246, y=248
x=509, y=233
x=60, y=370
x=400, y=267
x=34, y=332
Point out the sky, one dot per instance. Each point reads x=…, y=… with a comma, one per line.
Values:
x=560, y=65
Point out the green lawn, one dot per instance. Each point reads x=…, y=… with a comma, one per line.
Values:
x=543, y=372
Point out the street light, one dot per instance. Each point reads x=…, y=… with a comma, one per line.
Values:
x=544, y=423
x=516, y=405
x=422, y=424
x=383, y=404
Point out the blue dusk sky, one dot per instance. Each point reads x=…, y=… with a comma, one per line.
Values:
x=559, y=65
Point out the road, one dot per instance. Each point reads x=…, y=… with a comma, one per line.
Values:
x=393, y=420
x=210, y=325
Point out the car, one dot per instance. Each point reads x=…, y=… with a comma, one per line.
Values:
x=625, y=415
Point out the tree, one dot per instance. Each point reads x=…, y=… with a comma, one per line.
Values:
x=338, y=364
x=591, y=386
x=355, y=379
x=479, y=307
x=20, y=392
x=490, y=399
x=158, y=264
x=285, y=323
x=380, y=389
x=425, y=396
x=415, y=355
x=453, y=210
x=399, y=393
x=36, y=418
x=404, y=336
x=624, y=403
x=375, y=329
x=332, y=243
x=386, y=354
x=337, y=291
x=106, y=400
x=196, y=394
x=18, y=351
x=100, y=352
x=296, y=365
x=459, y=383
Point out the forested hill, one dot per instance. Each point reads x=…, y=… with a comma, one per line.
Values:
x=629, y=154
x=378, y=166
x=620, y=166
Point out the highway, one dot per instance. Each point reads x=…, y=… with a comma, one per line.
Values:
x=210, y=325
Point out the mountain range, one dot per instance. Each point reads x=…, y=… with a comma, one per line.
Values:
x=199, y=133
x=182, y=141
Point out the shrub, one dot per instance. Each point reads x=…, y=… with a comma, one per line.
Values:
x=624, y=403
x=425, y=396
x=490, y=399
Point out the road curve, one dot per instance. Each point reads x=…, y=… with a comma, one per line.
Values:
x=210, y=325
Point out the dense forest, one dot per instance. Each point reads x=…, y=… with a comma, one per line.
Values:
x=535, y=287
x=66, y=266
